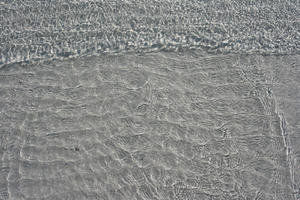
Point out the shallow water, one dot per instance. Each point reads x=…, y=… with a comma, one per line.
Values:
x=158, y=100
x=43, y=30
x=157, y=126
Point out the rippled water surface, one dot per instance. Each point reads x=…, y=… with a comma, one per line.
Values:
x=149, y=100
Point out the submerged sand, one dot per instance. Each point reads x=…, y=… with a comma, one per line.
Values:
x=161, y=126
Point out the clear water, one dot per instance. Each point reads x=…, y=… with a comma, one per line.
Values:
x=159, y=100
